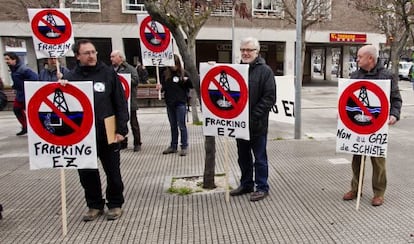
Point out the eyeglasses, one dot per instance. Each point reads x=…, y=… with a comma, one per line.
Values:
x=89, y=53
x=248, y=50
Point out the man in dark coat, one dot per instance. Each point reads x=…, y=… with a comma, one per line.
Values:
x=121, y=66
x=262, y=96
x=371, y=69
x=109, y=100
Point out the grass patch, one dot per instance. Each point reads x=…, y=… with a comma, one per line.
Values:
x=182, y=191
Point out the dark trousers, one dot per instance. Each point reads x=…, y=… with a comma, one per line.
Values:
x=91, y=181
x=245, y=148
x=19, y=111
x=379, y=176
x=136, y=132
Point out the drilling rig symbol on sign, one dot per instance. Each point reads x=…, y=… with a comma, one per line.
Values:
x=220, y=97
x=53, y=122
x=357, y=114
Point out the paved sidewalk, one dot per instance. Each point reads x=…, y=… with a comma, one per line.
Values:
x=307, y=180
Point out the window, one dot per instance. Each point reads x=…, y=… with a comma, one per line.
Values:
x=318, y=9
x=225, y=9
x=268, y=8
x=133, y=6
x=86, y=5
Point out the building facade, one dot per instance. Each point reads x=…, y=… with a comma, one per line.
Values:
x=330, y=45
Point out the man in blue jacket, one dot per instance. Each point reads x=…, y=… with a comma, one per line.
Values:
x=262, y=96
x=19, y=73
x=50, y=73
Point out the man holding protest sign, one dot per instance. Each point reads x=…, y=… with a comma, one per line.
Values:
x=262, y=96
x=109, y=100
x=370, y=68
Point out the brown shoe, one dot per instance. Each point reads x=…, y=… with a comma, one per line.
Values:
x=92, y=214
x=114, y=213
x=351, y=195
x=258, y=195
x=377, y=201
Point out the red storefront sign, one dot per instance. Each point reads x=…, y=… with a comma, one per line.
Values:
x=347, y=37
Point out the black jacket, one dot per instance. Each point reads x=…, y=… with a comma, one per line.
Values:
x=108, y=101
x=262, y=96
x=176, y=89
x=381, y=73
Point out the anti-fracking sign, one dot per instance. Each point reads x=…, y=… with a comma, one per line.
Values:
x=52, y=32
x=61, y=125
x=225, y=100
x=363, y=108
x=156, y=42
x=283, y=110
x=125, y=80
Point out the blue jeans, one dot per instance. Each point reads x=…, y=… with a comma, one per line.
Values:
x=257, y=146
x=176, y=116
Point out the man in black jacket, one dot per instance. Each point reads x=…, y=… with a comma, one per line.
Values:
x=371, y=69
x=262, y=96
x=109, y=99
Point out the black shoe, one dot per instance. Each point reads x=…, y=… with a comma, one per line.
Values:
x=1, y=210
x=22, y=132
x=240, y=191
x=124, y=144
x=137, y=148
x=258, y=195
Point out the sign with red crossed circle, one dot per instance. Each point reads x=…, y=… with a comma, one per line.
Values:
x=212, y=91
x=51, y=26
x=357, y=113
x=155, y=36
x=125, y=85
x=73, y=126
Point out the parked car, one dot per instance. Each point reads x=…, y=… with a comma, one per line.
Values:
x=404, y=70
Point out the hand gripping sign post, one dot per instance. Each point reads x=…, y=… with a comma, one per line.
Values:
x=52, y=32
x=156, y=44
x=363, y=109
x=224, y=96
x=61, y=129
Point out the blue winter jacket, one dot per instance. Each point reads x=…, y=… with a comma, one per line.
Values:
x=21, y=73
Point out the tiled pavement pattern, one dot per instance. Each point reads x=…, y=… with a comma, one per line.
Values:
x=304, y=206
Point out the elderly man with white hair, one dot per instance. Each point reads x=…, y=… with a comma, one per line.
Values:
x=371, y=69
x=121, y=66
